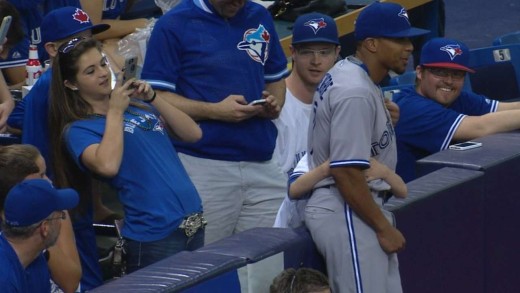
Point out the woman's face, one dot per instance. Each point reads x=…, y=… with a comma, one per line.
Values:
x=93, y=79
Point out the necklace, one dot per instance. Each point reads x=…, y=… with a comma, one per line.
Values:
x=143, y=123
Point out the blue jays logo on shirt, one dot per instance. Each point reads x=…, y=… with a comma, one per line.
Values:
x=316, y=24
x=452, y=50
x=404, y=14
x=256, y=44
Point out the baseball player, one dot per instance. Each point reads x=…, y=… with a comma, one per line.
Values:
x=349, y=125
x=438, y=112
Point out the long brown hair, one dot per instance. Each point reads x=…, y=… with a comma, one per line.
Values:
x=67, y=106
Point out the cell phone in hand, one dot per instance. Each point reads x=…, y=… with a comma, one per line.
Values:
x=130, y=68
x=465, y=145
x=258, y=102
x=4, y=28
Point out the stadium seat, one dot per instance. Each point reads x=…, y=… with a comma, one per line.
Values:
x=510, y=38
x=497, y=71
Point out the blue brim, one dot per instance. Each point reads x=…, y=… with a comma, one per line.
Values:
x=315, y=40
x=408, y=33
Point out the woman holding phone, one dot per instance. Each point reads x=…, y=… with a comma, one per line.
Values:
x=121, y=136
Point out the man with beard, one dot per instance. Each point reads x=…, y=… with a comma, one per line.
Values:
x=437, y=112
x=33, y=212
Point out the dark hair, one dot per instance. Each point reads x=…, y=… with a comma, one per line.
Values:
x=16, y=31
x=303, y=280
x=67, y=106
x=17, y=161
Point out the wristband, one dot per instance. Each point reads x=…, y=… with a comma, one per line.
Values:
x=151, y=99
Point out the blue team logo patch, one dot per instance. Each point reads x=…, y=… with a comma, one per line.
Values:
x=316, y=24
x=452, y=50
x=404, y=14
x=256, y=44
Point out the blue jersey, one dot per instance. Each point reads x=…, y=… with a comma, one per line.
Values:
x=152, y=184
x=18, y=55
x=426, y=127
x=14, y=278
x=31, y=115
x=91, y=275
x=196, y=53
x=31, y=12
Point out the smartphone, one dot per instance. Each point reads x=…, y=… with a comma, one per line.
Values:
x=130, y=68
x=258, y=102
x=465, y=145
x=4, y=28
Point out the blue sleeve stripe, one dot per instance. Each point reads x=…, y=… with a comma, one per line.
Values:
x=451, y=132
x=346, y=163
x=276, y=76
x=295, y=176
x=15, y=63
x=161, y=84
x=494, y=105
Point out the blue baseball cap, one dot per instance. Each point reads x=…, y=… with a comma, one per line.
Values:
x=386, y=19
x=445, y=53
x=65, y=22
x=33, y=200
x=315, y=27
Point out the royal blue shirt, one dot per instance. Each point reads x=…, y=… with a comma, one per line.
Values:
x=196, y=53
x=14, y=278
x=426, y=127
x=152, y=184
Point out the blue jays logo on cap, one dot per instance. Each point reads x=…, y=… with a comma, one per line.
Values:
x=80, y=16
x=404, y=14
x=445, y=53
x=452, y=50
x=385, y=20
x=316, y=24
x=315, y=27
x=256, y=44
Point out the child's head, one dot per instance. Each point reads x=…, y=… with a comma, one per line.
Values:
x=18, y=162
x=303, y=280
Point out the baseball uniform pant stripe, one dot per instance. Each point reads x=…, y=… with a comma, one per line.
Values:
x=353, y=248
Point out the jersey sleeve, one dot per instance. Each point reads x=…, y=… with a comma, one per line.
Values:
x=276, y=65
x=426, y=125
x=473, y=104
x=351, y=126
x=77, y=139
x=15, y=119
x=162, y=63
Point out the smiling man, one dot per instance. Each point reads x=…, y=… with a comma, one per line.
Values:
x=437, y=112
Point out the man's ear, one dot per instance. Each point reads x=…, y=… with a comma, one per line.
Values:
x=51, y=48
x=70, y=85
x=419, y=70
x=44, y=229
x=370, y=44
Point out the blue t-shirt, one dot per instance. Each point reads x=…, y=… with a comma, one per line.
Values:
x=196, y=53
x=14, y=278
x=152, y=184
x=426, y=127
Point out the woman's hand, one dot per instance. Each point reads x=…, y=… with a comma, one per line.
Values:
x=142, y=90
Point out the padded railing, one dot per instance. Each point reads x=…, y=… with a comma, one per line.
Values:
x=459, y=220
x=499, y=159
